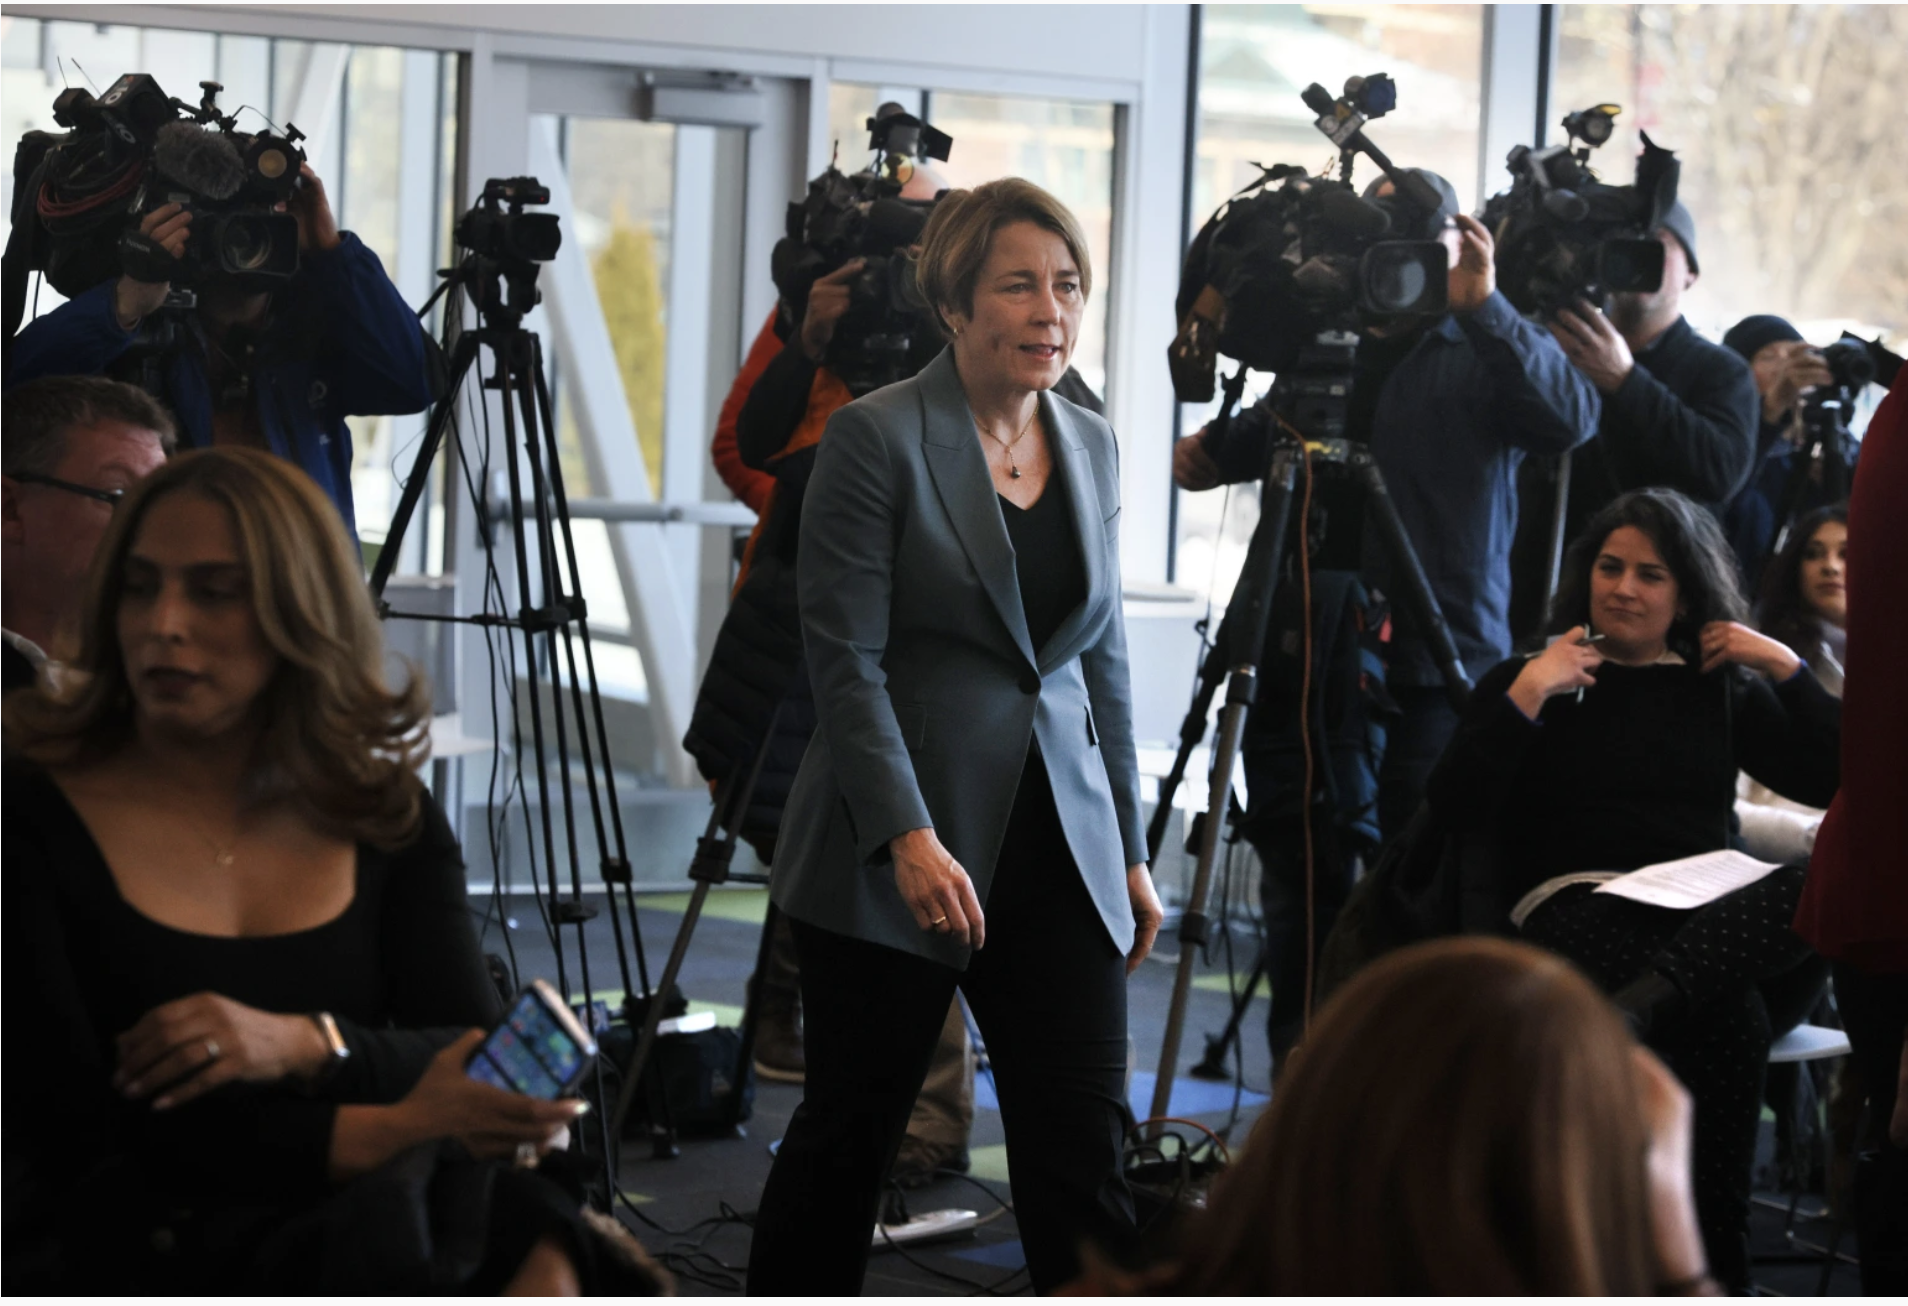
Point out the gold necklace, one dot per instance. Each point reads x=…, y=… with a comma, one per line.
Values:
x=220, y=856
x=1013, y=468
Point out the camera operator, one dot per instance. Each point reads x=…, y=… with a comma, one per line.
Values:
x=1679, y=413
x=271, y=370
x=1786, y=367
x=1449, y=408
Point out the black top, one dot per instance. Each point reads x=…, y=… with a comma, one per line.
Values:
x=1046, y=559
x=1642, y=771
x=16, y=669
x=399, y=968
x=1684, y=418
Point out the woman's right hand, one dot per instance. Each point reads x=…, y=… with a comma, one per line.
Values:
x=448, y=1103
x=169, y=226
x=935, y=888
x=1566, y=665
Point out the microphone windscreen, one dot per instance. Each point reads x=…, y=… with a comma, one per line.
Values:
x=1318, y=99
x=206, y=163
x=892, y=224
x=1357, y=218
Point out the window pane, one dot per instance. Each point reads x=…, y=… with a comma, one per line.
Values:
x=1254, y=60
x=622, y=178
x=1064, y=146
x=1794, y=163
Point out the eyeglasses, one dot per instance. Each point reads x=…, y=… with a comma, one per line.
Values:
x=110, y=498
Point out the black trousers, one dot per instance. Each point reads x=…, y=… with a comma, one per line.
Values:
x=1875, y=1013
x=1411, y=753
x=1282, y=899
x=1049, y=993
x=1749, y=978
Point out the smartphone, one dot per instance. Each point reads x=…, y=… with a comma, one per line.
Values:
x=541, y=1049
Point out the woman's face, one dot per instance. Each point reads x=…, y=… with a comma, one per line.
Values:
x=195, y=655
x=1633, y=597
x=1028, y=303
x=1824, y=578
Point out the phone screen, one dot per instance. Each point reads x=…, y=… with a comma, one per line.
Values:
x=532, y=1052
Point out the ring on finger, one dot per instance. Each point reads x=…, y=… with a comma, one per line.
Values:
x=212, y=1050
x=526, y=1156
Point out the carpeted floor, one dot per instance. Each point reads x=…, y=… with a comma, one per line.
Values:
x=693, y=1208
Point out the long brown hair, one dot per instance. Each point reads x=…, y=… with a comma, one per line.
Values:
x=335, y=737
x=1784, y=612
x=1464, y=1118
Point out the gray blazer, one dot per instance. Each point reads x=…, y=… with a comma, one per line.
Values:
x=927, y=686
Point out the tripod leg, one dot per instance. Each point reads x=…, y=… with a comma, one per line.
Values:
x=1212, y=671
x=1414, y=588
x=618, y=861
x=1213, y=1064
x=420, y=478
x=526, y=607
x=710, y=868
x=1258, y=582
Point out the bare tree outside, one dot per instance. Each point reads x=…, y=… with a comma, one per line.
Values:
x=1787, y=119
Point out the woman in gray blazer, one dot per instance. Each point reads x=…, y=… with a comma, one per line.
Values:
x=968, y=813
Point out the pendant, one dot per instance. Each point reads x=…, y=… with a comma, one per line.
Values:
x=1014, y=472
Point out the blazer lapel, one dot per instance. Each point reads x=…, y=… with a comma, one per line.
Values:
x=959, y=469
x=1076, y=471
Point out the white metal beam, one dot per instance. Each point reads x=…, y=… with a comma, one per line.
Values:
x=663, y=630
x=1512, y=72
x=1144, y=279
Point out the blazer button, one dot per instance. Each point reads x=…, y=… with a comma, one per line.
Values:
x=1030, y=682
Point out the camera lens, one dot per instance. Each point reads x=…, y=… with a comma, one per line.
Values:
x=1630, y=265
x=1403, y=276
x=245, y=245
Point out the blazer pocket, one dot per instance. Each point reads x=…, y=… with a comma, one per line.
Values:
x=913, y=719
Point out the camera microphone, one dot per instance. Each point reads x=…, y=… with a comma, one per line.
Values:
x=204, y=162
x=1318, y=99
x=1359, y=219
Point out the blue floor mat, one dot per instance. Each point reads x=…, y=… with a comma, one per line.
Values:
x=1191, y=1097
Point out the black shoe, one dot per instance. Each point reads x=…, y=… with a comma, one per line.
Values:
x=1653, y=1006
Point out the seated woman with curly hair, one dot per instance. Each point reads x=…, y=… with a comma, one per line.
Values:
x=1587, y=760
x=241, y=978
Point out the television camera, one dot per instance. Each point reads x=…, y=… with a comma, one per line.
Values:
x=889, y=330
x=1563, y=235
x=80, y=194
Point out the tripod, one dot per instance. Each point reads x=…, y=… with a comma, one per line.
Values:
x=551, y=615
x=1310, y=404
x=1822, y=460
x=715, y=851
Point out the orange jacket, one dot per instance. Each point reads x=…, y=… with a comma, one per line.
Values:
x=744, y=482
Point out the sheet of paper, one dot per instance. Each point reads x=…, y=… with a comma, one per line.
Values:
x=1690, y=882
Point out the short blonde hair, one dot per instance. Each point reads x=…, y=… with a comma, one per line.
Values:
x=960, y=234
x=335, y=737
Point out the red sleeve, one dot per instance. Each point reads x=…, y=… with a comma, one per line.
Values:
x=744, y=482
x=1855, y=903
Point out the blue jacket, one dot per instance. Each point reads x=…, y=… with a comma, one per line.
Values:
x=341, y=340
x=1455, y=418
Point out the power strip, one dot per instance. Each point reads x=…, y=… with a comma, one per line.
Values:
x=930, y=1224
